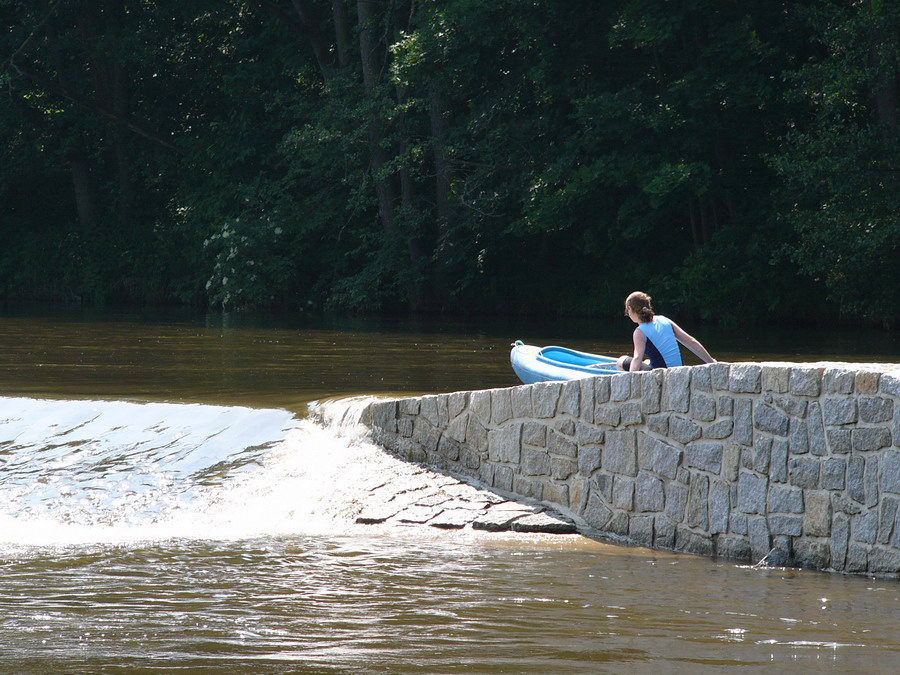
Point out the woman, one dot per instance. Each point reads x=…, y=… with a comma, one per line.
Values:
x=656, y=337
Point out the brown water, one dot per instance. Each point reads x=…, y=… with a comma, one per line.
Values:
x=210, y=535
x=226, y=360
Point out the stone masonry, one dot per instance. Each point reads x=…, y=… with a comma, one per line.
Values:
x=794, y=464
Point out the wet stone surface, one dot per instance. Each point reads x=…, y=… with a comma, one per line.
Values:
x=425, y=498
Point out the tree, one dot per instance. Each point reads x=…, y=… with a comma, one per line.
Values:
x=737, y=160
x=839, y=162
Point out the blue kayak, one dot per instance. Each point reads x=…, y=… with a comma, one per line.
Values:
x=542, y=364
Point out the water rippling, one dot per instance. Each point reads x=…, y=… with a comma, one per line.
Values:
x=188, y=536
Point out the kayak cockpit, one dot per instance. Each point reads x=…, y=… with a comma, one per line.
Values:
x=570, y=358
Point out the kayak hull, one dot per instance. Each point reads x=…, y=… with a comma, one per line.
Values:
x=556, y=364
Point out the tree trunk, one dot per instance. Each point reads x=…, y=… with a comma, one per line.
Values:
x=441, y=166
x=341, y=32
x=406, y=182
x=368, y=43
x=720, y=166
x=887, y=103
x=415, y=291
x=377, y=157
x=123, y=176
x=716, y=223
x=87, y=217
x=885, y=90
x=407, y=199
x=117, y=94
x=695, y=233
x=109, y=90
x=704, y=220
x=306, y=24
x=729, y=204
x=317, y=41
x=84, y=195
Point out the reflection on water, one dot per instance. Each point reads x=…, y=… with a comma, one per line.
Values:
x=228, y=361
x=211, y=535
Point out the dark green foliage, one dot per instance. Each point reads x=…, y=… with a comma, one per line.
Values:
x=840, y=170
x=737, y=160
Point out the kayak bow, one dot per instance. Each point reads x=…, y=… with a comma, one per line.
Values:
x=542, y=364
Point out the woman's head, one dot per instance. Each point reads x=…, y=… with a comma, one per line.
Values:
x=638, y=307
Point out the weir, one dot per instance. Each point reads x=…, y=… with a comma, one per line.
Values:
x=782, y=463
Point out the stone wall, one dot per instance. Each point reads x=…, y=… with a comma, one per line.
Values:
x=795, y=463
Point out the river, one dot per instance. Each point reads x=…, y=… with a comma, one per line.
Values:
x=164, y=502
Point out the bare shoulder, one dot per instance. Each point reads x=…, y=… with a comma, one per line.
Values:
x=680, y=333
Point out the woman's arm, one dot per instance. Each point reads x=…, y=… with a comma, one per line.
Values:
x=640, y=344
x=692, y=343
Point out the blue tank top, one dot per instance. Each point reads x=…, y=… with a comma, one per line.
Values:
x=662, y=347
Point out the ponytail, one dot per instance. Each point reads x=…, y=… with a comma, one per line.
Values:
x=639, y=303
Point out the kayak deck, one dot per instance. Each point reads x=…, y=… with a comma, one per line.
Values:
x=554, y=363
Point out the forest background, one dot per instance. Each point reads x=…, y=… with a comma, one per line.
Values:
x=738, y=160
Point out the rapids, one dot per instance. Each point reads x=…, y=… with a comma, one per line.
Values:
x=76, y=471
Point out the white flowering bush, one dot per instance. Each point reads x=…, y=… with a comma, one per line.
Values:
x=247, y=263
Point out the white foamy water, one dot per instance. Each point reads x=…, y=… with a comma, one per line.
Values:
x=119, y=472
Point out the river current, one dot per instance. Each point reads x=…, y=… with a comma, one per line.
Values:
x=166, y=501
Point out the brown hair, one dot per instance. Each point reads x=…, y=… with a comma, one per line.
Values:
x=639, y=303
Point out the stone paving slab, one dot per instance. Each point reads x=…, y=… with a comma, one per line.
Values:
x=496, y=520
x=421, y=497
x=376, y=514
x=543, y=522
x=418, y=514
x=435, y=499
x=452, y=519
